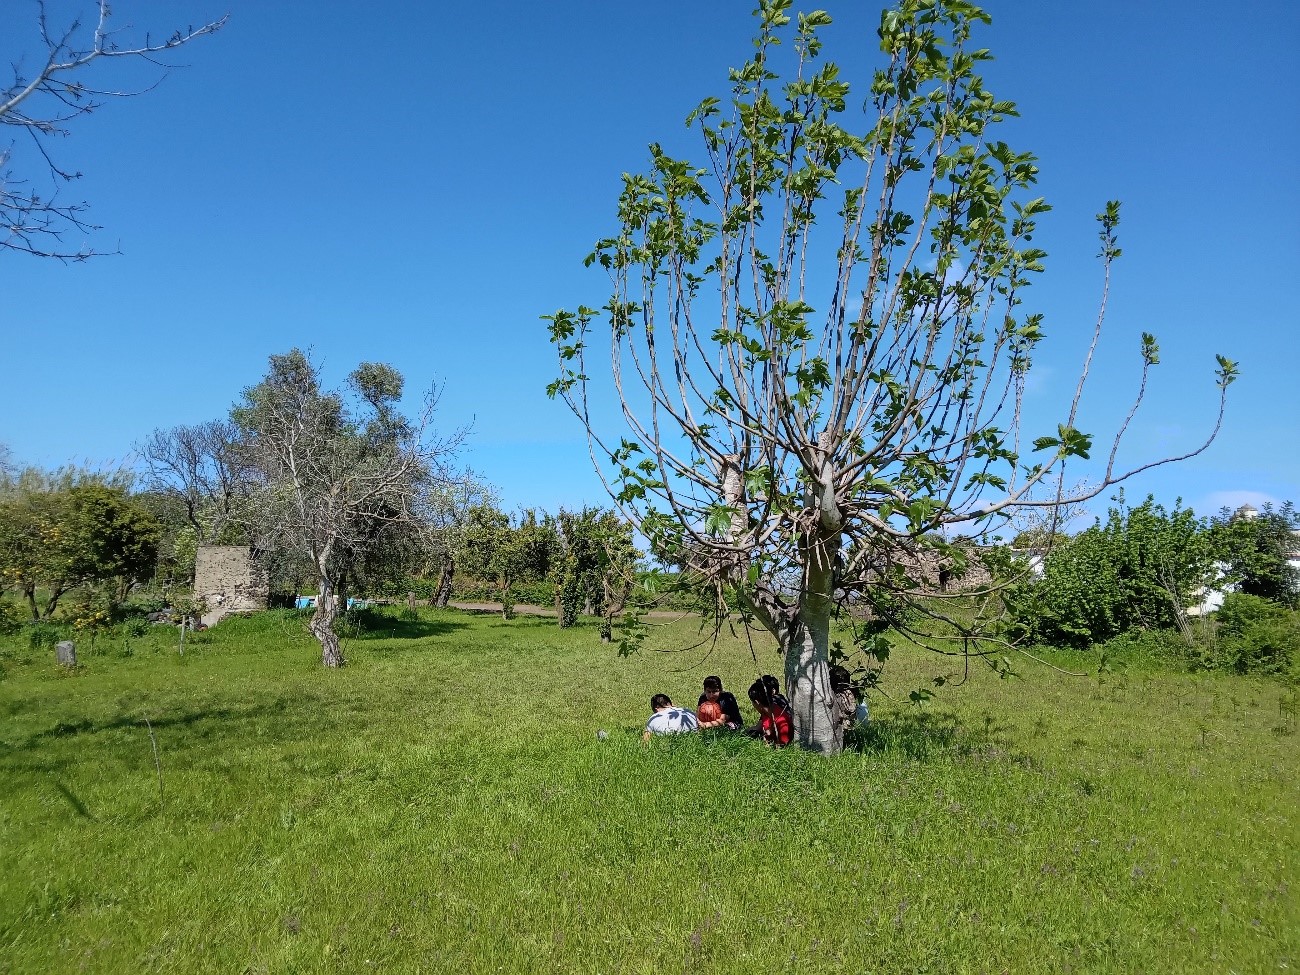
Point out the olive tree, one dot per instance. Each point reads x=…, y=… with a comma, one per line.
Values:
x=338, y=478
x=451, y=513
x=817, y=340
x=63, y=80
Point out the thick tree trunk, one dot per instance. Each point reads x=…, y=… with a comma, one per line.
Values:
x=322, y=624
x=29, y=593
x=443, y=594
x=807, y=657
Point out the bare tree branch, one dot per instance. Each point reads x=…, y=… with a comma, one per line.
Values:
x=42, y=101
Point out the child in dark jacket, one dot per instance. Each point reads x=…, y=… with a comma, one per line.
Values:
x=729, y=710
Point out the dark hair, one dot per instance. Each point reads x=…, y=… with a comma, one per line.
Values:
x=773, y=686
x=660, y=701
x=713, y=683
x=840, y=679
x=761, y=693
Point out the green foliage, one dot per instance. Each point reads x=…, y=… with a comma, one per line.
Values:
x=84, y=534
x=1255, y=636
x=1138, y=570
x=596, y=564
x=534, y=592
x=1256, y=551
x=43, y=635
x=508, y=551
x=11, y=617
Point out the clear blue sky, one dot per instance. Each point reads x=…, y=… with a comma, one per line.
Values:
x=417, y=182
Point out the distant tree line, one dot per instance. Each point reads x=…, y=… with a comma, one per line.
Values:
x=338, y=493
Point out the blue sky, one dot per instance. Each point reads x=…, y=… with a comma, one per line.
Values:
x=418, y=182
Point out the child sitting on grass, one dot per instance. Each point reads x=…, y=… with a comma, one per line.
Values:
x=775, y=722
x=668, y=720
x=728, y=711
x=848, y=708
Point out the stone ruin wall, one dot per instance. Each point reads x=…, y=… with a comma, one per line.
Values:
x=229, y=580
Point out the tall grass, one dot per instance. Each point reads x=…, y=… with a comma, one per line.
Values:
x=444, y=804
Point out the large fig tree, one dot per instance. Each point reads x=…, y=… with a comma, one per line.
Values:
x=818, y=344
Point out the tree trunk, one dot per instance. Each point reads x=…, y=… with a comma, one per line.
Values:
x=29, y=593
x=322, y=624
x=53, y=601
x=807, y=661
x=507, y=603
x=443, y=595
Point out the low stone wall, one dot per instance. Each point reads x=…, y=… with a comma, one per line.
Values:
x=229, y=580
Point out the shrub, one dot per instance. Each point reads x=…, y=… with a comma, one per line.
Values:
x=1256, y=636
x=11, y=617
x=1131, y=572
x=136, y=626
x=43, y=635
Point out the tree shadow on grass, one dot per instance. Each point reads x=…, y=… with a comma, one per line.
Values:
x=73, y=800
x=923, y=735
x=199, y=725
x=384, y=627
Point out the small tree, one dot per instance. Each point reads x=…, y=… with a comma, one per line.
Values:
x=54, y=541
x=198, y=468
x=48, y=93
x=450, y=511
x=818, y=342
x=1257, y=548
x=337, y=479
x=505, y=550
x=1139, y=569
x=596, y=568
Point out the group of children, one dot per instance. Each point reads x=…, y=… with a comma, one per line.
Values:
x=717, y=708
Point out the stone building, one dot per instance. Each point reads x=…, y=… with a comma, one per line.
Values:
x=229, y=579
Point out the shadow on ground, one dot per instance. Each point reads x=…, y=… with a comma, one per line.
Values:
x=928, y=734
x=375, y=626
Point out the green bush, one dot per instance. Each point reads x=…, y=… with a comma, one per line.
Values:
x=11, y=617
x=43, y=635
x=468, y=590
x=136, y=626
x=1129, y=573
x=142, y=602
x=1256, y=636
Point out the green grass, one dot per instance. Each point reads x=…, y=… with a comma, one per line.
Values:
x=443, y=804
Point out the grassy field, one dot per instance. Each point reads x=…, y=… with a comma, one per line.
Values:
x=444, y=804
